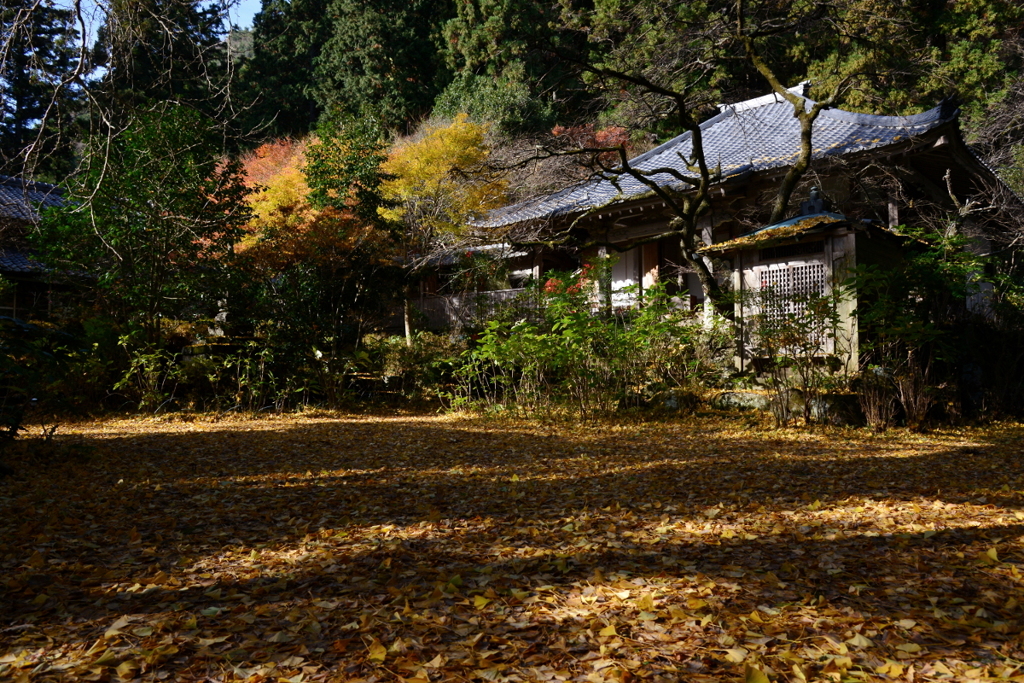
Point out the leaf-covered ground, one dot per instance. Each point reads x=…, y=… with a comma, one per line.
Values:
x=452, y=549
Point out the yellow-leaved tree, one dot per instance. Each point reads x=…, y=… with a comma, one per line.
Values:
x=437, y=183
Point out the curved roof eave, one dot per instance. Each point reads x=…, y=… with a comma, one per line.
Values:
x=742, y=139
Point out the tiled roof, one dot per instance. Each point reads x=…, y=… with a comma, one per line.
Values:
x=746, y=137
x=14, y=261
x=19, y=198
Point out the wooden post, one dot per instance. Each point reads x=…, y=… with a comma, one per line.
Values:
x=649, y=266
x=606, y=281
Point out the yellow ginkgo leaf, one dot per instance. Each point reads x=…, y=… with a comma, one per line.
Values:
x=37, y=561
x=860, y=641
x=755, y=675
x=377, y=652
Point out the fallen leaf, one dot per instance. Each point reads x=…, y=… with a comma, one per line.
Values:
x=755, y=675
x=116, y=628
x=280, y=547
x=36, y=561
x=376, y=652
x=890, y=668
x=127, y=668
x=860, y=641
x=989, y=557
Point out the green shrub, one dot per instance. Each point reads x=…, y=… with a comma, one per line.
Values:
x=944, y=326
x=416, y=369
x=567, y=357
x=31, y=358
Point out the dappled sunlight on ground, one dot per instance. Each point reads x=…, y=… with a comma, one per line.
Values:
x=341, y=547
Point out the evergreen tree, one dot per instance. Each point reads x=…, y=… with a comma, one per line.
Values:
x=504, y=54
x=278, y=83
x=906, y=55
x=161, y=50
x=384, y=59
x=38, y=88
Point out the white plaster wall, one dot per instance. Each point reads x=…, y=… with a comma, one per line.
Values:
x=625, y=273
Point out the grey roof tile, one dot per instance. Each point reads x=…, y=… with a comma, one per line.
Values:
x=19, y=199
x=747, y=137
x=15, y=261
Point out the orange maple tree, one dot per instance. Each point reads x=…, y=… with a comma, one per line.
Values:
x=286, y=228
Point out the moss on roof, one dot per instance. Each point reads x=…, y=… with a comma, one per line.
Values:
x=775, y=234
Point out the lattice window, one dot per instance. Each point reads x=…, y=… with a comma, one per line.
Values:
x=796, y=280
x=791, y=283
x=787, y=289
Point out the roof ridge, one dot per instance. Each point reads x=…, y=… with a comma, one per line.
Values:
x=22, y=184
x=946, y=110
x=748, y=137
x=801, y=89
x=724, y=112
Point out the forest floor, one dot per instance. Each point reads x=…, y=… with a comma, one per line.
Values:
x=446, y=548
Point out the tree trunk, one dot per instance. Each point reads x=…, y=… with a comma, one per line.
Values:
x=407, y=315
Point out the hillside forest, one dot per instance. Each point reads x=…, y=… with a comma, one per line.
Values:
x=246, y=213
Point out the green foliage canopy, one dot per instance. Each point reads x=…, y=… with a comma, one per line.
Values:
x=504, y=55
x=153, y=217
x=160, y=50
x=280, y=80
x=383, y=59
